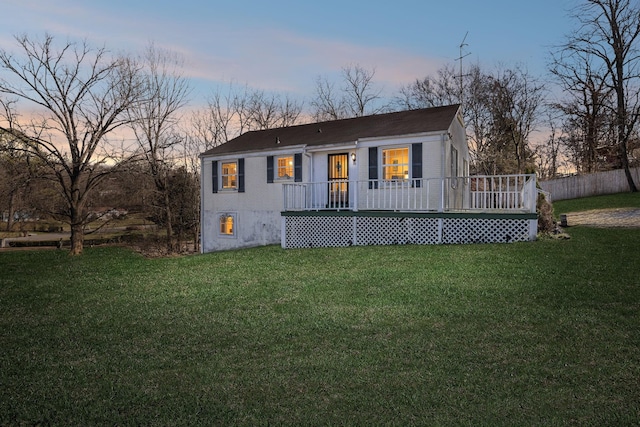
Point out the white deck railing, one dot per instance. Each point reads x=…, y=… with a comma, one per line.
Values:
x=503, y=193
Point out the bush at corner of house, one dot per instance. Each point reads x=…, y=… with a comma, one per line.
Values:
x=544, y=209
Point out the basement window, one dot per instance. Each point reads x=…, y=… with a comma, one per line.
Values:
x=227, y=226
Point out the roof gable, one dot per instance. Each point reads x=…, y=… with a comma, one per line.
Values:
x=343, y=131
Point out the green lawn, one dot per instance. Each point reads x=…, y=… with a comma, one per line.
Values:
x=541, y=333
x=621, y=200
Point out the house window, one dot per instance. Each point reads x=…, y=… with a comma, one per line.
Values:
x=227, y=225
x=229, y=175
x=454, y=162
x=285, y=167
x=395, y=164
x=465, y=171
x=454, y=167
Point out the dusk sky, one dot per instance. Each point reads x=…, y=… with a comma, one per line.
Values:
x=283, y=45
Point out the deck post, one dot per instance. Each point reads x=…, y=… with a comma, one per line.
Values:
x=355, y=196
x=283, y=232
x=442, y=187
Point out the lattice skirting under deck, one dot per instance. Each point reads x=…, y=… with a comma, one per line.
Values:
x=302, y=231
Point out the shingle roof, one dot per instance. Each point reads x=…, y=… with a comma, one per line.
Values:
x=342, y=131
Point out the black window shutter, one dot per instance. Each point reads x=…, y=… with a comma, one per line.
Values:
x=416, y=163
x=297, y=167
x=269, y=168
x=373, y=167
x=214, y=176
x=240, y=175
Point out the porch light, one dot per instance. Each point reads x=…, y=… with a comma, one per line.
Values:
x=353, y=158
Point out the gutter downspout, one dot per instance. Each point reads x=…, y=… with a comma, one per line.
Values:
x=310, y=157
x=202, y=205
x=354, y=182
x=442, y=171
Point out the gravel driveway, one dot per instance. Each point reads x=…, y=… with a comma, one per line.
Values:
x=606, y=218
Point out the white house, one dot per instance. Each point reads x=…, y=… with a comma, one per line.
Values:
x=383, y=179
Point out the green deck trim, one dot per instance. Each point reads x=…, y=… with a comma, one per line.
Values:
x=392, y=214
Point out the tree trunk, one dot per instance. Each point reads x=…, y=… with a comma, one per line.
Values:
x=77, y=238
x=169, y=237
x=591, y=146
x=622, y=134
x=625, y=164
x=167, y=209
x=180, y=240
x=77, y=224
x=196, y=237
x=11, y=210
x=622, y=112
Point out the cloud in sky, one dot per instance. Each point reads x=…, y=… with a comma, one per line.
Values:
x=217, y=51
x=283, y=45
x=283, y=61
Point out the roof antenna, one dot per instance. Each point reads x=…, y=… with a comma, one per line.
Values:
x=460, y=58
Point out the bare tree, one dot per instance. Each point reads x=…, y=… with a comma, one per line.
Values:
x=290, y=111
x=327, y=105
x=431, y=91
x=478, y=118
x=500, y=109
x=81, y=96
x=184, y=196
x=358, y=95
x=238, y=110
x=190, y=163
x=266, y=111
x=360, y=91
x=548, y=153
x=450, y=87
x=155, y=123
x=14, y=177
x=587, y=95
x=608, y=32
x=213, y=125
x=515, y=100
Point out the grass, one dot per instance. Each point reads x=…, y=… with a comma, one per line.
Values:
x=542, y=333
x=44, y=226
x=621, y=200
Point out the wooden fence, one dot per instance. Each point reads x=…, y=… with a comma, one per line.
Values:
x=593, y=184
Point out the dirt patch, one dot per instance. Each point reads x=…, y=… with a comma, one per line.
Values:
x=606, y=218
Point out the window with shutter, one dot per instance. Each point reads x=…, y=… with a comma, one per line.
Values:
x=240, y=175
x=297, y=166
x=284, y=168
x=395, y=164
x=214, y=176
x=416, y=164
x=373, y=167
x=229, y=175
x=269, y=169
